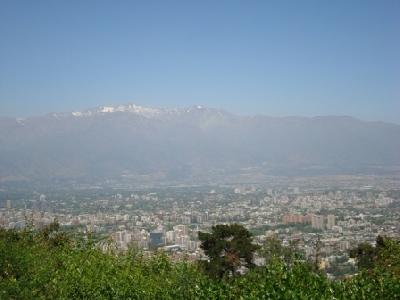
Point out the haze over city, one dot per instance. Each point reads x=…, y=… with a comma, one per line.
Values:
x=200, y=149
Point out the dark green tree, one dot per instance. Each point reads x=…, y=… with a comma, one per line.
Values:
x=365, y=255
x=384, y=255
x=229, y=248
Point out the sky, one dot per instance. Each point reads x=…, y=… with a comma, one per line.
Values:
x=276, y=58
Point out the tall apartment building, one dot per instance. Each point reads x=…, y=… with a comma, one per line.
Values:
x=330, y=221
x=317, y=222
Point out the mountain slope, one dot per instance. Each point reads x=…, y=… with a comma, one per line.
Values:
x=129, y=140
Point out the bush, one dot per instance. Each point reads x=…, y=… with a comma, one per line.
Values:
x=36, y=265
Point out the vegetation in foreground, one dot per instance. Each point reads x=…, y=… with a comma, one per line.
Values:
x=48, y=264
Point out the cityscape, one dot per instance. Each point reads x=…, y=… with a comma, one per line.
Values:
x=338, y=212
x=205, y=150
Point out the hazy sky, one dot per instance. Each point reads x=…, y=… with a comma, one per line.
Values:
x=270, y=57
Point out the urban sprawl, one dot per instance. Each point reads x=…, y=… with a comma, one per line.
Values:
x=330, y=215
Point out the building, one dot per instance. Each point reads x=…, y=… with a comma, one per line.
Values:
x=296, y=219
x=330, y=221
x=181, y=229
x=170, y=237
x=156, y=239
x=317, y=222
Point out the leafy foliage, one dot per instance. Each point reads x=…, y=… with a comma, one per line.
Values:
x=384, y=255
x=272, y=249
x=229, y=247
x=49, y=264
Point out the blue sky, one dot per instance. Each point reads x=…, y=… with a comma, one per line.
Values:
x=270, y=57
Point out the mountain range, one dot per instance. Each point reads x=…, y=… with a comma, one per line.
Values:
x=135, y=143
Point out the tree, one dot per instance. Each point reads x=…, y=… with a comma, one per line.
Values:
x=384, y=255
x=272, y=249
x=365, y=255
x=229, y=248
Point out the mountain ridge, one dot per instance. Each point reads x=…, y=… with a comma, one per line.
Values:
x=139, y=109
x=127, y=142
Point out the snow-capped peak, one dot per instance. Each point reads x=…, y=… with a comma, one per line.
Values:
x=106, y=109
x=77, y=114
x=128, y=108
x=147, y=112
x=131, y=108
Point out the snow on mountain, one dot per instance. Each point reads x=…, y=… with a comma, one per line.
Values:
x=148, y=112
x=132, y=108
x=128, y=108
